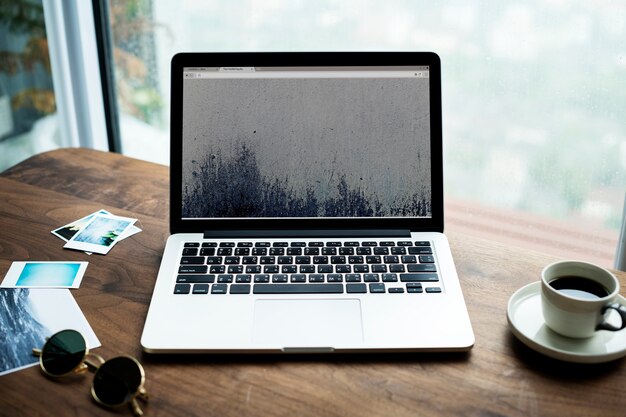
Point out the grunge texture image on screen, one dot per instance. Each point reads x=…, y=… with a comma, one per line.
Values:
x=315, y=147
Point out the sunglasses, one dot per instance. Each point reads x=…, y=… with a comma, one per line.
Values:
x=116, y=382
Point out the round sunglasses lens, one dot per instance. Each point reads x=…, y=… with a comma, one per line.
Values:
x=63, y=352
x=117, y=381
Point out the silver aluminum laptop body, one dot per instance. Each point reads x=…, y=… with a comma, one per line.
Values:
x=306, y=208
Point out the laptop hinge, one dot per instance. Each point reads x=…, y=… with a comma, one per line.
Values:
x=211, y=234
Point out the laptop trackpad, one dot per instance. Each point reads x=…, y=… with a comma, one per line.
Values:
x=308, y=323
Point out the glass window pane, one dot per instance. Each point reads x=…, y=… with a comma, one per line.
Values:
x=28, y=121
x=533, y=97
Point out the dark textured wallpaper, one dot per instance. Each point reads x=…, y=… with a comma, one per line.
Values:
x=306, y=148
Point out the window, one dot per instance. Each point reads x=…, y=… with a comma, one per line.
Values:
x=28, y=113
x=533, y=93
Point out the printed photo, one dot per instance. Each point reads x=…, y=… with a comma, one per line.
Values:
x=44, y=275
x=28, y=316
x=69, y=230
x=100, y=234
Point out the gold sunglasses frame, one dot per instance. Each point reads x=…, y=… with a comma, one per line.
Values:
x=85, y=364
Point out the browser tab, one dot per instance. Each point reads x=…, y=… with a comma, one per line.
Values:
x=236, y=69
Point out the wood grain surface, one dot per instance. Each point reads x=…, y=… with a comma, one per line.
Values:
x=498, y=377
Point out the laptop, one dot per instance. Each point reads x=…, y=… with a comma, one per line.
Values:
x=306, y=210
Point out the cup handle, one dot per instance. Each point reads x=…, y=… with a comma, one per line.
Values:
x=622, y=312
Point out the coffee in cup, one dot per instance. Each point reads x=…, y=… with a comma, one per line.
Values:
x=575, y=297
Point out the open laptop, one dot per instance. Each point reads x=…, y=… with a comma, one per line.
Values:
x=306, y=208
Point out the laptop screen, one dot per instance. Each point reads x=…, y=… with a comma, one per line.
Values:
x=306, y=142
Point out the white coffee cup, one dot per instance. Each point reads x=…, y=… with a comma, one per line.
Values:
x=575, y=297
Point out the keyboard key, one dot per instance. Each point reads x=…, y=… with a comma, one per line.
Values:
x=316, y=278
x=277, y=251
x=320, y=260
x=209, y=245
x=294, y=251
x=371, y=278
x=214, y=260
x=422, y=243
x=298, y=289
x=421, y=268
x=351, y=244
x=204, y=279
x=280, y=244
x=333, y=244
x=363, y=251
x=253, y=269
x=298, y=278
x=192, y=245
x=334, y=278
x=395, y=290
x=420, y=250
x=311, y=251
x=361, y=268
x=387, y=244
x=303, y=260
x=343, y=269
x=217, y=269
x=219, y=288
x=207, y=251
x=285, y=260
x=190, y=251
x=249, y=260
x=381, y=251
x=270, y=269
x=414, y=287
x=409, y=259
x=280, y=278
x=398, y=250
x=227, y=244
x=243, y=278
x=298, y=244
x=289, y=269
x=427, y=259
x=391, y=259
x=232, y=260
x=325, y=269
x=373, y=259
x=240, y=289
x=267, y=260
x=377, y=288
x=396, y=268
x=379, y=268
x=329, y=251
x=235, y=269
x=192, y=269
x=355, y=259
x=244, y=244
x=432, y=290
x=261, y=278
x=346, y=251
x=259, y=251
x=192, y=260
x=369, y=244
x=316, y=244
x=225, y=278
x=405, y=243
x=390, y=278
x=356, y=288
x=200, y=289
x=262, y=245
x=182, y=289
x=419, y=277
x=353, y=277
x=307, y=269
x=242, y=251
x=224, y=251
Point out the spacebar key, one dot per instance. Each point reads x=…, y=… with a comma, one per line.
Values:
x=298, y=289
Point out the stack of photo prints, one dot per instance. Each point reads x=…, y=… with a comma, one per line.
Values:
x=35, y=301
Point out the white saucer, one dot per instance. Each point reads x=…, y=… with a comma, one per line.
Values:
x=526, y=320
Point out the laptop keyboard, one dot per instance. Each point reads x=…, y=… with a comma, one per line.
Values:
x=332, y=267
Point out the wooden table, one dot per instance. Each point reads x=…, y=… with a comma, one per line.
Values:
x=499, y=377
